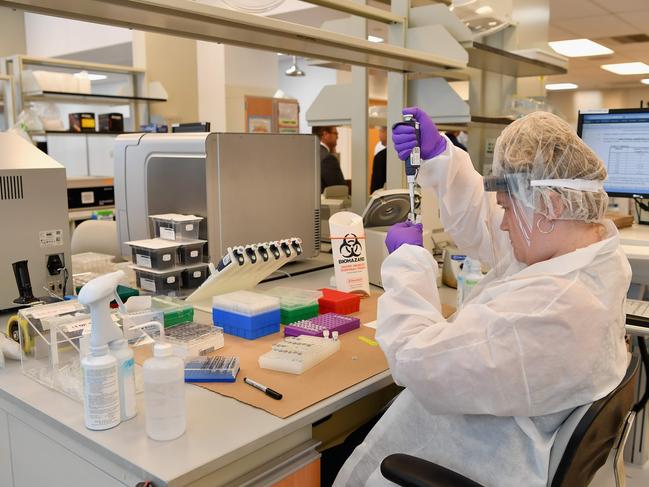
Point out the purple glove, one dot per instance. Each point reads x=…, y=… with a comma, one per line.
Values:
x=404, y=233
x=404, y=137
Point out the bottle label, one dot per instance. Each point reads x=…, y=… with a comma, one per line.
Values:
x=101, y=398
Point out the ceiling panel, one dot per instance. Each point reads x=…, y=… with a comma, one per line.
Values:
x=598, y=26
x=618, y=6
x=557, y=34
x=568, y=9
x=639, y=20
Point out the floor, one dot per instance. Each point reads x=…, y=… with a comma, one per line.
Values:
x=635, y=476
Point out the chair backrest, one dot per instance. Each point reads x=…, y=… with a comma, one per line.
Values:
x=595, y=434
x=95, y=236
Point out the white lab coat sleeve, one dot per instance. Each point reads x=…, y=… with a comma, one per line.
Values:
x=472, y=219
x=531, y=351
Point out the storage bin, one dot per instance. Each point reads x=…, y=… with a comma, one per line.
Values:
x=156, y=254
x=191, y=252
x=192, y=277
x=172, y=226
x=333, y=301
x=158, y=282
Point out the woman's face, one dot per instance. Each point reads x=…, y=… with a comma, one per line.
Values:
x=529, y=244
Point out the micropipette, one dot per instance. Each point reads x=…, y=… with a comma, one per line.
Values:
x=412, y=163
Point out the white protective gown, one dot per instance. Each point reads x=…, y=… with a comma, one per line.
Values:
x=487, y=389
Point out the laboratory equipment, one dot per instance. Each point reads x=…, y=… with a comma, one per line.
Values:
x=619, y=138
x=164, y=394
x=193, y=276
x=155, y=253
x=238, y=182
x=101, y=396
x=125, y=376
x=194, y=339
x=295, y=304
x=172, y=226
x=110, y=122
x=412, y=162
x=349, y=253
x=211, y=369
x=296, y=355
x=333, y=301
x=82, y=122
x=246, y=314
x=331, y=322
x=191, y=252
x=35, y=220
x=245, y=266
x=167, y=310
x=89, y=192
x=160, y=282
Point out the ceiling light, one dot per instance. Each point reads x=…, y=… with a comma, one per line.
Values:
x=579, y=48
x=560, y=86
x=484, y=10
x=375, y=39
x=627, y=68
x=294, y=70
x=645, y=81
x=90, y=76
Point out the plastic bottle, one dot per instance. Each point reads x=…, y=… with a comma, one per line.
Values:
x=460, y=284
x=164, y=394
x=472, y=276
x=101, y=389
x=126, y=377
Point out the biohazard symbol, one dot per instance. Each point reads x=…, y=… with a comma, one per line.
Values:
x=350, y=247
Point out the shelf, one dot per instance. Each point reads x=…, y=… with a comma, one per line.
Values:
x=491, y=120
x=216, y=24
x=66, y=132
x=496, y=60
x=64, y=95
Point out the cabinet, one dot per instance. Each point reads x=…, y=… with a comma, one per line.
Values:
x=54, y=88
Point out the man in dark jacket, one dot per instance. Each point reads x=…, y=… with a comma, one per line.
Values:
x=330, y=172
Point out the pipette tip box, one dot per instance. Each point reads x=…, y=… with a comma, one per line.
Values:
x=333, y=301
x=246, y=314
x=296, y=304
x=194, y=339
x=211, y=369
x=329, y=321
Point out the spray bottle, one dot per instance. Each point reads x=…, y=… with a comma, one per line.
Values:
x=164, y=390
x=101, y=399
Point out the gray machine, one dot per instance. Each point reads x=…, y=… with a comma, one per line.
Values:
x=248, y=187
x=34, y=216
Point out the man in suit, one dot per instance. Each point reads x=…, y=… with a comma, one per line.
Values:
x=379, y=163
x=330, y=172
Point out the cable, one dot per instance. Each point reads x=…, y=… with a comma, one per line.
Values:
x=642, y=345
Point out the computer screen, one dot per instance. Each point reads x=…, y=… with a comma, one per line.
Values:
x=621, y=139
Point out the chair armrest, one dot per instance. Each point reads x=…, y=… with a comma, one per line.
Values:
x=409, y=471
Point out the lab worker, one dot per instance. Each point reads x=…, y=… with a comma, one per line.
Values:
x=540, y=335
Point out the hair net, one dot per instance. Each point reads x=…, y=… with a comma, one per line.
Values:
x=540, y=155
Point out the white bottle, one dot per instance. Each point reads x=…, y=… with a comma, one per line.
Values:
x=472, y=276
x=126, y=377
x=460, y=283
x=101, y=389
x=164, y=394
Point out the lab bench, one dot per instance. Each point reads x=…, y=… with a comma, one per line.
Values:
x=43, y=440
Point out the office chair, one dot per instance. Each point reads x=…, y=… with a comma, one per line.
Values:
x=600, y=427
x=95, y=236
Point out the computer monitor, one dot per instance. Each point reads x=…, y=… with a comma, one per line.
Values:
x=620, y=137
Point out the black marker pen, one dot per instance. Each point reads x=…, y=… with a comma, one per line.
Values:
x=266, y=390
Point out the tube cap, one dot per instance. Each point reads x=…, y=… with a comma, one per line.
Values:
x=162, y=350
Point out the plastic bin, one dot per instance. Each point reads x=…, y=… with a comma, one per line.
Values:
x=172, y=226
x=157, y=254
x=333, y=301
x=190, y=253
x=296, y=304
x=158, y=282
x=192, y=277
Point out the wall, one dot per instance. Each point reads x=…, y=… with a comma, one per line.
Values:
x=52, y=36
x=568, y=103
x=304, y=88
x=172, y=61
x=12, y=32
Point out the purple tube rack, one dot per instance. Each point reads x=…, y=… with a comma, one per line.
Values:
x=328, y=321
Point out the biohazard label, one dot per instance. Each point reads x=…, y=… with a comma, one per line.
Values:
x=50, y=238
